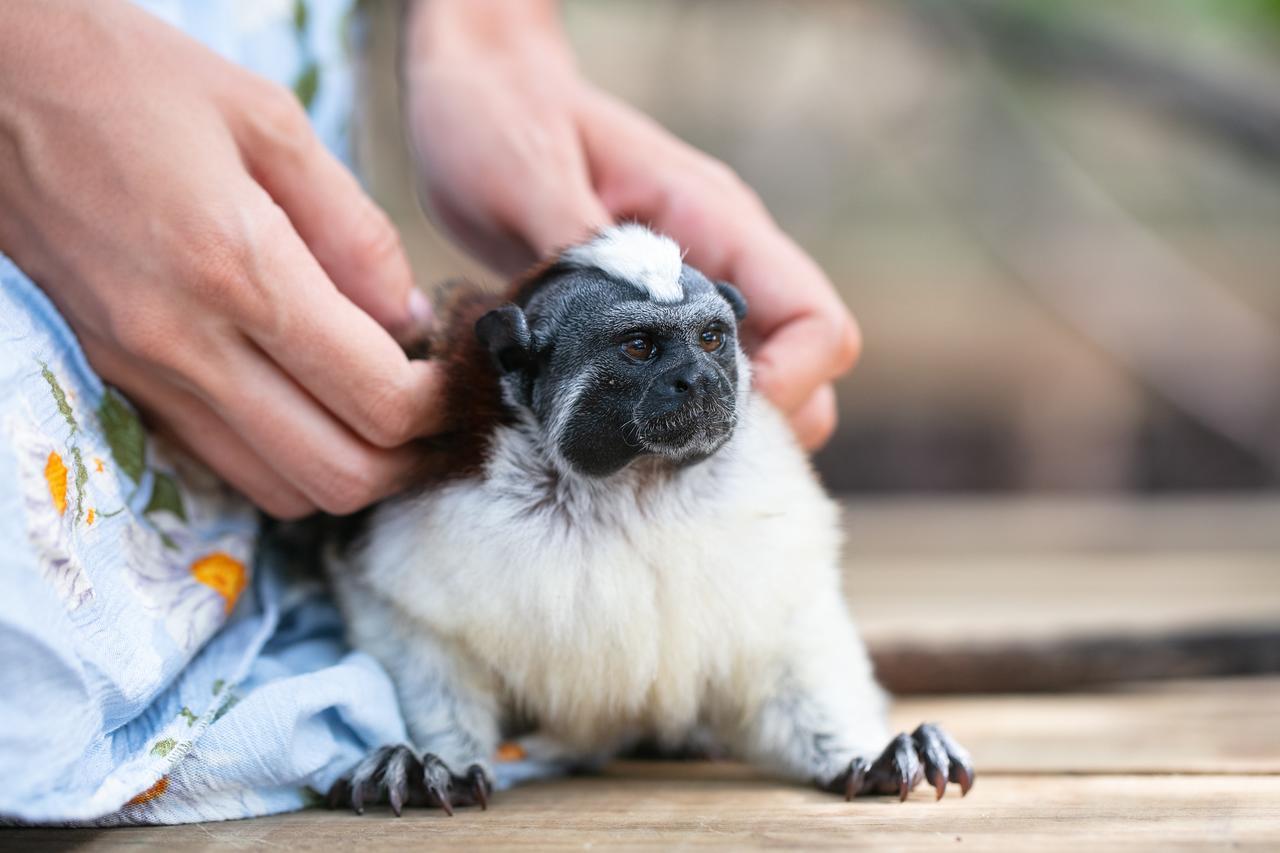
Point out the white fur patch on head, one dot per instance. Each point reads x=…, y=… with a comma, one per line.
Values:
x=636, y=255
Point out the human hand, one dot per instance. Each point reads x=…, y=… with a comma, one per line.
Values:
x=215, y=262
x=519, y=156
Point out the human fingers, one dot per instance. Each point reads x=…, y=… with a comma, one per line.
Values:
x=333, y=349
x=189, y=422
x=351, y=237
x=332, y=467
x=814, y=421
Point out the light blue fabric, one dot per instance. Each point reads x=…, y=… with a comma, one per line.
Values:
x=154, y=668
x=291, y=42
x=121, y=666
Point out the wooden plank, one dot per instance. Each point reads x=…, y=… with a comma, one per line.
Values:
x=942, y=571
x=944, y=526
x=670, y=806
x=1035, y=596
x=1217, y=726
x=1175, y=766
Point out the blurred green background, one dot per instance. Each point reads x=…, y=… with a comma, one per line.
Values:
x=1057, y=222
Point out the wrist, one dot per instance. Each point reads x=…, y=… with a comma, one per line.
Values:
x=513, y=31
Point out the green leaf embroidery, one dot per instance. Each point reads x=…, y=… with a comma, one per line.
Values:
x=124, y=434
x=217, y=686
x=300, y=16
x=59, y=397
x=163, y=747
x=307, y=83
x=165, y=497
x=187, y=715
x=231, y=701
x=82, y=477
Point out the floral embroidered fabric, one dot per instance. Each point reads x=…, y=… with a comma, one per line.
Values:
x=155, y=670
x=147, y=675
x=158, y=664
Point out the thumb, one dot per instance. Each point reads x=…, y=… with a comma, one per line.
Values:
x=562, y=216
x=351, y=237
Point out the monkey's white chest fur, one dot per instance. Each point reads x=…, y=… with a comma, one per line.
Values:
x=644, y=603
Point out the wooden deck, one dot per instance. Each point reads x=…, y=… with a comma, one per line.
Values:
x=1186, y=765
x=1160, y=766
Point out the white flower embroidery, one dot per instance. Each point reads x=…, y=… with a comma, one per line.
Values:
x=189, y=580
x=48, y=493
x=166, y=588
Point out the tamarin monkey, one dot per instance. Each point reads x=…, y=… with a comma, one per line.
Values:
x=622, y=542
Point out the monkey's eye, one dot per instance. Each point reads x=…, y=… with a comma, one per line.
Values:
x=638, y=347
x=712, y=338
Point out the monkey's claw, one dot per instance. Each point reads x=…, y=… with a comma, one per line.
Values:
x=943, y=758
x=928, y=753
x=478, y=786
x=404, y=779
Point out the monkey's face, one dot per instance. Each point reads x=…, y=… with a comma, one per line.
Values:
x=614, y=371
x=631, y=377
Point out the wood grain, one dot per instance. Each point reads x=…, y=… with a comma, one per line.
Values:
x=1211, y=726
x=1035, y=595
x=666, y=807
x=1183, y=766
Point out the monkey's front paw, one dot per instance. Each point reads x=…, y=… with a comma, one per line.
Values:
x=394, y=771
x=928, y=753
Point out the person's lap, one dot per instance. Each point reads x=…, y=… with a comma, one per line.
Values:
x=150, y=658
x=156, y=670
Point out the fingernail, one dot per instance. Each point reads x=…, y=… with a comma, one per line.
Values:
x=420, y=310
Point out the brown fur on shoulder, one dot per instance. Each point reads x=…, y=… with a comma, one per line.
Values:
x=470, y=393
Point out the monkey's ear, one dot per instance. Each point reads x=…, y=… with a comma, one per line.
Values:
x=505, y=333
x=734, y=297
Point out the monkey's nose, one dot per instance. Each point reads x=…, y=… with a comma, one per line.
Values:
x=683, y=382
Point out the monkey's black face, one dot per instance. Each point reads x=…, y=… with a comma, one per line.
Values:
x=614, y=371
x=643, y=378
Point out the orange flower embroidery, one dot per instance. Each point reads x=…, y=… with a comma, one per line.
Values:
x=223, y=574
x=89, y=518
x=151, y=793
x=97, y=465
x=55, y=474
x=510, y=751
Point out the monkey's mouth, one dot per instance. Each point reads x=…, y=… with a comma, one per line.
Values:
x=699, y=426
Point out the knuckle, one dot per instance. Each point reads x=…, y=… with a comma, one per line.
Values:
x=725, y=181
x=815, y=422
x=375, y=241
x=345, y=487
x=718, y=172
x=218, y=261
x=279, y=120
x=823, y=426
x=847, y=343
x=285, y=507
x=222, y=278
x=140, y=330
x=391, y=417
